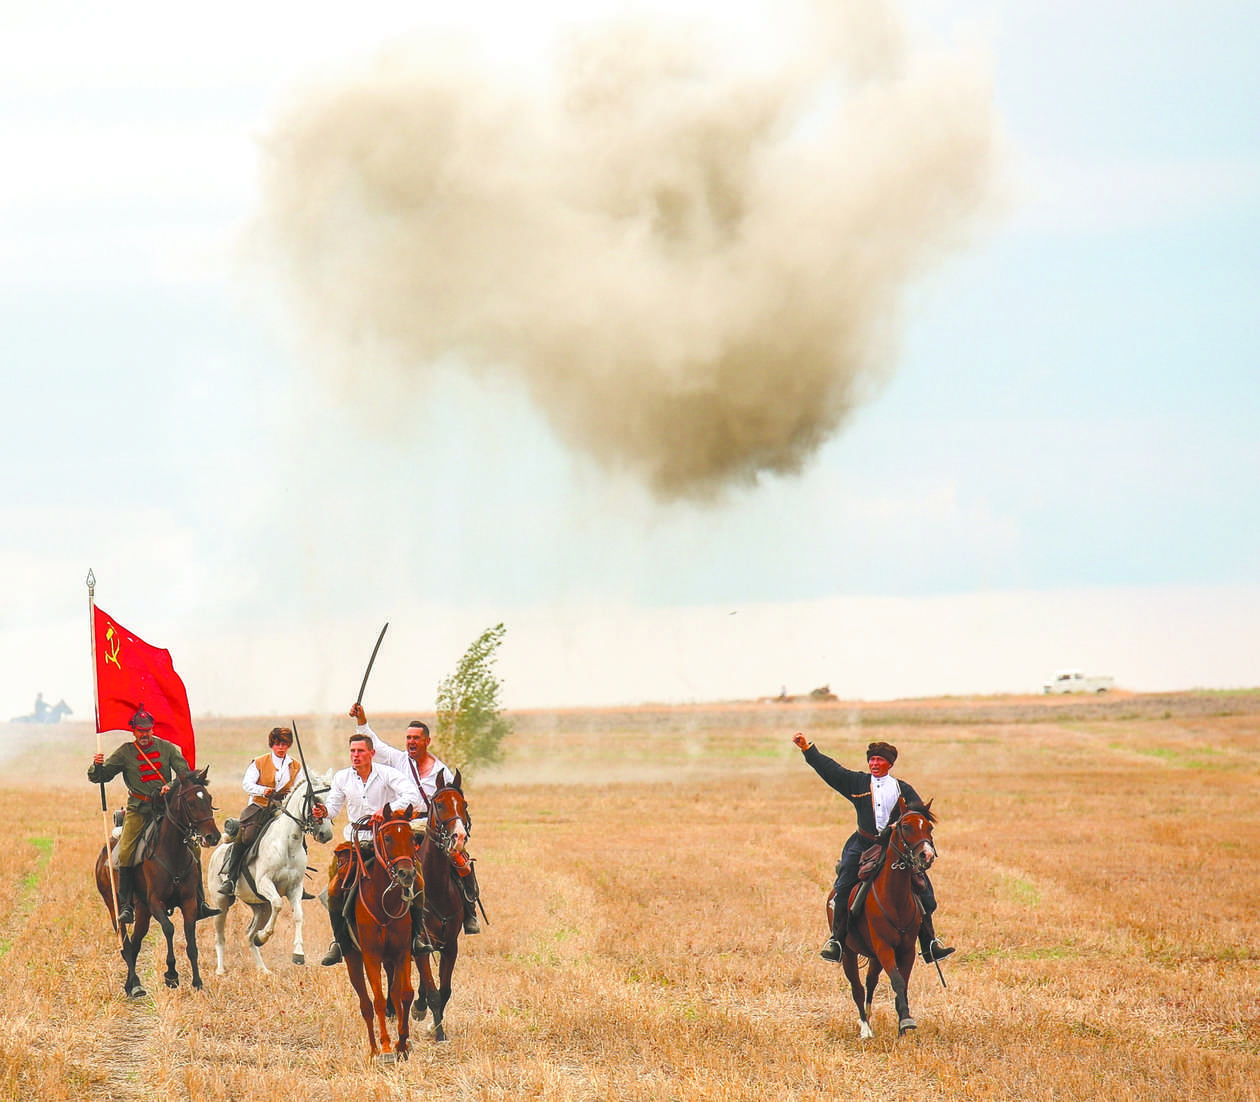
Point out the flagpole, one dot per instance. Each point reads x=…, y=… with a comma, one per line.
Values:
x=96, y=709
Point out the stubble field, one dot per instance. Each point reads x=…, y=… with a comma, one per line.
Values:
x=655, y=879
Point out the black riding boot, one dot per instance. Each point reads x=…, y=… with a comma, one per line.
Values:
x=126, y=892
x=834, y=948
x=471, y=892
x=930, y=947
x=227, y=885
x=341, y=932
x=420, y=943
x=204, y=910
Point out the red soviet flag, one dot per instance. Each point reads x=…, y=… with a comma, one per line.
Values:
x=130, y=673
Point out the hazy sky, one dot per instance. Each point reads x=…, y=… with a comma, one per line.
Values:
x=908, y=348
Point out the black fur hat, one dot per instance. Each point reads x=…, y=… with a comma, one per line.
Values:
x=885, y=750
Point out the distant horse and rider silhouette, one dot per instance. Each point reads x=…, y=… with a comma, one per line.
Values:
x=43, y=713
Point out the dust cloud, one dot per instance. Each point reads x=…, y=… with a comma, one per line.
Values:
x=692, y=261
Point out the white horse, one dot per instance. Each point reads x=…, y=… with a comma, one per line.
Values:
x=275, y=872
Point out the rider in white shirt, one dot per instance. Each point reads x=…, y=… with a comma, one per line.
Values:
x=425, y=769
x=363, y=790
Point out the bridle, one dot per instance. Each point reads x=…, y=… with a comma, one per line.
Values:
x=911, y=856
x=306, y=822
x=175, y=812
x=401, y=869
x=438, y=829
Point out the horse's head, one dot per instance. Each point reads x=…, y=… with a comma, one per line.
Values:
x=449, y=822
x=395, y=846
x=912, y=836
x=298, y=806
x=189, y=806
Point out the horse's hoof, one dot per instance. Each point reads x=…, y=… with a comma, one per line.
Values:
x=389, y=1010
x=866, y=1031
x=197, y=985
x=385, y=1058
x=171, y=981
x=418, y=1011
x=298, y=958
x=906, y=1024
x=439, y=1035
x=137, y=992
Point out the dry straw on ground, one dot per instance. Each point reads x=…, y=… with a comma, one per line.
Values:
x=655, y=881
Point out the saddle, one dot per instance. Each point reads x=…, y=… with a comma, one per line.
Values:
x=143, y=845
x=871, y=861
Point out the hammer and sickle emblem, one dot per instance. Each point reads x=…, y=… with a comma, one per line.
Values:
x=113, y=645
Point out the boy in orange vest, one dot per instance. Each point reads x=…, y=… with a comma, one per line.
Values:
x=267, y=781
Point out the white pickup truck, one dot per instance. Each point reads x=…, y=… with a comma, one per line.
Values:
x=1075, y=681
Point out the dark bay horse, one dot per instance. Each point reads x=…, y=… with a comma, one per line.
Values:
x=167, y=877
x=886, y=930
x=381, y=928
x=444, y=836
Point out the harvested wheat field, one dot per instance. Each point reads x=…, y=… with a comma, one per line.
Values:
x=655, y=880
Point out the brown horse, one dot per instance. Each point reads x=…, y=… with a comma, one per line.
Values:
x=381, y=930
x=167, y=877
x=444, y=834
x=886, y=930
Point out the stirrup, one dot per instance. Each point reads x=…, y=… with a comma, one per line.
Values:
x=832, y=951
x=227, y=887
x=936, y=951
x=333, y=956
x=422, y=946
x=204, y=910
x=471, y=925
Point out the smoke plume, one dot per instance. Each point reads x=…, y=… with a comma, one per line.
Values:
x=693, y=266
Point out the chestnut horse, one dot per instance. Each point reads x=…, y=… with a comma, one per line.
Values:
x=167, y=877
x=381, y=928
x=886, y=930
x=445, y=833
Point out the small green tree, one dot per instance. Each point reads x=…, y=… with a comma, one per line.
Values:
x=470, y=730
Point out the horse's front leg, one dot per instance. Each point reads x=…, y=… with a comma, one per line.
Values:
x=380, y=999
x=905, y=965
x=267, y=891
x=354, y=966
x=890, y=961
x=295, y=905
x=188, y=907
x=402, y=993
x=157, y=910
x=223, y=903
x=445, y=970
x=849, y=961
x=131, y=951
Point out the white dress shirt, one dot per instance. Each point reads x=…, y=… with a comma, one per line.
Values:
x=281, y=766
x=402, y=761
x=360, y=798
x=885, y=792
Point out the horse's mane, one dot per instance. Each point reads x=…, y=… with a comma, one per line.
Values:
x=924, y=809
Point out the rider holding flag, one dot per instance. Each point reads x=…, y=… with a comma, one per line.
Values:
x=146, y=764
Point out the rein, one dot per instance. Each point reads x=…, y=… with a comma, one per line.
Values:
x=407, y=892
x=909, y=861
x=439, y=830
x=185, y=832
